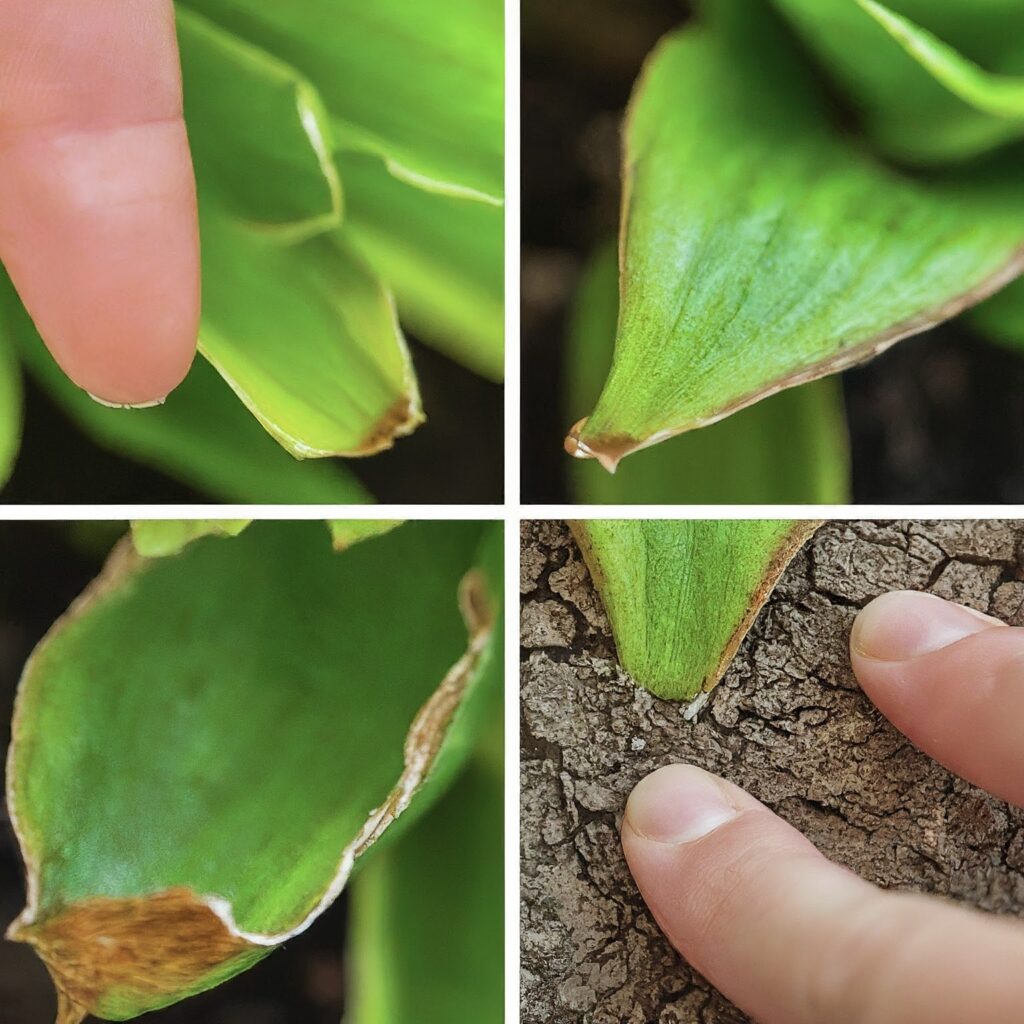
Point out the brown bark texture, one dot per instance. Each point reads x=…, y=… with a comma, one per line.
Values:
x=788, y=723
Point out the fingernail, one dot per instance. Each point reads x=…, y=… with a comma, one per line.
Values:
x=905, y=624
x=678, y=804
x=127, y=405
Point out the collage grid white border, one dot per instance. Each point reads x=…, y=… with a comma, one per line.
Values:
x=512, y=512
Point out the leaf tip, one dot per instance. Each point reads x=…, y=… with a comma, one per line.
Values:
x=400, y=420
x=141, y=952
x=579, y=449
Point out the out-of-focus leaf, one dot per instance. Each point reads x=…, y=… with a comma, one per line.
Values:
x=201, y=436
x=199, y=742
x=443, y=258
x=446, y=872
x=308, y=338
x=346, y=532
x=913, y=69
x=761, y=249
x=681, y=594
x=998, y=95
x=10, y=396
x=419, y=85
x=93, y=538
x=789, y=449
x=1002, y=318
x=260, y=136
x=157, y=538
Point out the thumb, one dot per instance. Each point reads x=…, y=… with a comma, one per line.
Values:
x=794, y=939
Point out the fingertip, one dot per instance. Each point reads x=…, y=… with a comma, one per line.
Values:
x=678, y=803
x=949, y=678
x=99, y=221
x=792, y=938
x=907, y=624
x=104, y=251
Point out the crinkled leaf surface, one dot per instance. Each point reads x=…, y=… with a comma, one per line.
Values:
x=443, y=257
x=762, y=249
x=201, y=436
x=932, y=79
x=10, y=400
x=445, y=874
x=157, y=538
x=422, y=87
x=681, y=594
x=789, y=449
x=206, y=743
x=308, y=338
x=260, y=136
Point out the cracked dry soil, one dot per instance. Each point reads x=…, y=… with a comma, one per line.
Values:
x=788, y=723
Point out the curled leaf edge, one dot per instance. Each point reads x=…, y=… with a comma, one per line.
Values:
x=424, y=740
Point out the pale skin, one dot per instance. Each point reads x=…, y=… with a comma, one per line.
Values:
x=98, y=221
x=792, y=938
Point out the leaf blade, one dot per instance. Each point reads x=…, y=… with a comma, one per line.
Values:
x=442, y=257
x=761, y=251
x=998, y=95
x=423, y=92
x=192, y=854
x=157, y=538
x=1001, y=318
x=258, y=131
x=308, y=339
x=906, y=109
x=681, y=594
x=449, y=867
x=789, y=449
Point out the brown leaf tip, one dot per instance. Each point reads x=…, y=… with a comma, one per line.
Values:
x=573, y=445
x=608, y=450
x=402, y=418
x=144, y=949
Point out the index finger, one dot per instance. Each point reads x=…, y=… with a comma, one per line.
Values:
x=98, y=220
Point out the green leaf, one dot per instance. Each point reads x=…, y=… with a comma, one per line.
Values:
x=307, y=338
x=443, y=257
x=346, y=532
x=789, y=449
x=444, y=873
x=681, y=594
x=199, y=742
x=10, y=399
x=914, y=70
x=157, y=538
x=260, y=135
x=1001, y=318
x=201, y=436
x=998, y=95
x=420, y=87
x=761, y=249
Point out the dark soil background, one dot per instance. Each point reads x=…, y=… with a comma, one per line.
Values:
x=939, y=418
x=43, y=567
x=455, y=457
